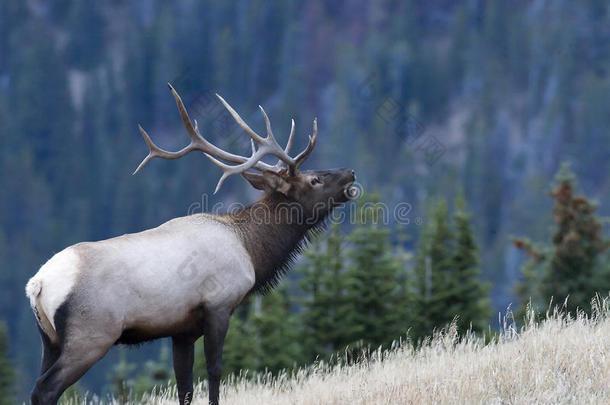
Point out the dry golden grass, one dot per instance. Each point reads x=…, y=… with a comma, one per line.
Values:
x=556, y=361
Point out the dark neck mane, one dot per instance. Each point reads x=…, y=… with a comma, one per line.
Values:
x=274, y=231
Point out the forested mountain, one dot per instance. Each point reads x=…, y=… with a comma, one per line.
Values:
x=422, y=99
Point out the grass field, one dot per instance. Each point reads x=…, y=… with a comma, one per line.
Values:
x=555, y=361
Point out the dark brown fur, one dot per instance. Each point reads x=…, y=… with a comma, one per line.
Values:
x=274, y=231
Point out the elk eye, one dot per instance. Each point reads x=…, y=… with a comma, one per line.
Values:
x=315, y=180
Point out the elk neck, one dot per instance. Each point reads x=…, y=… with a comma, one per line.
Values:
x=274, y=230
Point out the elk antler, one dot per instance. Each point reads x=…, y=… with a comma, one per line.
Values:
x=266, y=146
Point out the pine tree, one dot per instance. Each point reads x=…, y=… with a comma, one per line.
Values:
x=601, y=273
x=569, y=271
x=447, y=276
x=577, y=244
x=469, y=300
x=326, y=316
x=374, y=276
x=405, y=281
x=156, y=373
x=7, y=375
x=276, y=333
x=314, y=317
x=241, y=352
x=528, y=290
x=433, y=266
x=121, y=384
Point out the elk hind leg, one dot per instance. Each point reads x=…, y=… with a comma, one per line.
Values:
x=50, y=352
x=74, y=361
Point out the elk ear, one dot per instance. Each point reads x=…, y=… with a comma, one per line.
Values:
x=256, y=180
x=276, y=182
x=268, y=181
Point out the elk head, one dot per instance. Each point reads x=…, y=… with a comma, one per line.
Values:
x=315, y=190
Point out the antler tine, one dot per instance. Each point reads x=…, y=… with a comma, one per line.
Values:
x=227, y=171
x=278, y=165
x=240, y=121
x=267, y=122
x=290, y=137
x=155, y=151
x=252, y=163
x=266, y=146
x=301, y=157
x=274, y=147
x=196, y=138
x=198, y=142
x=193, y=131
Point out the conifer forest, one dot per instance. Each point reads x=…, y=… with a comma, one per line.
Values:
x=479, y=131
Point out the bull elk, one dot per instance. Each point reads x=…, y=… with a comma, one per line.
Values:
x=184, y=278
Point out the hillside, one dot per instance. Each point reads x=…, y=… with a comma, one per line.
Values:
x=558, y=360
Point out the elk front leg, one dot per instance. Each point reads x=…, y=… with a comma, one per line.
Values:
x=184, y=355
x=215, y=330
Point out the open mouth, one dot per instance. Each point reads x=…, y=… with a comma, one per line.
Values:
x=351, y=191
